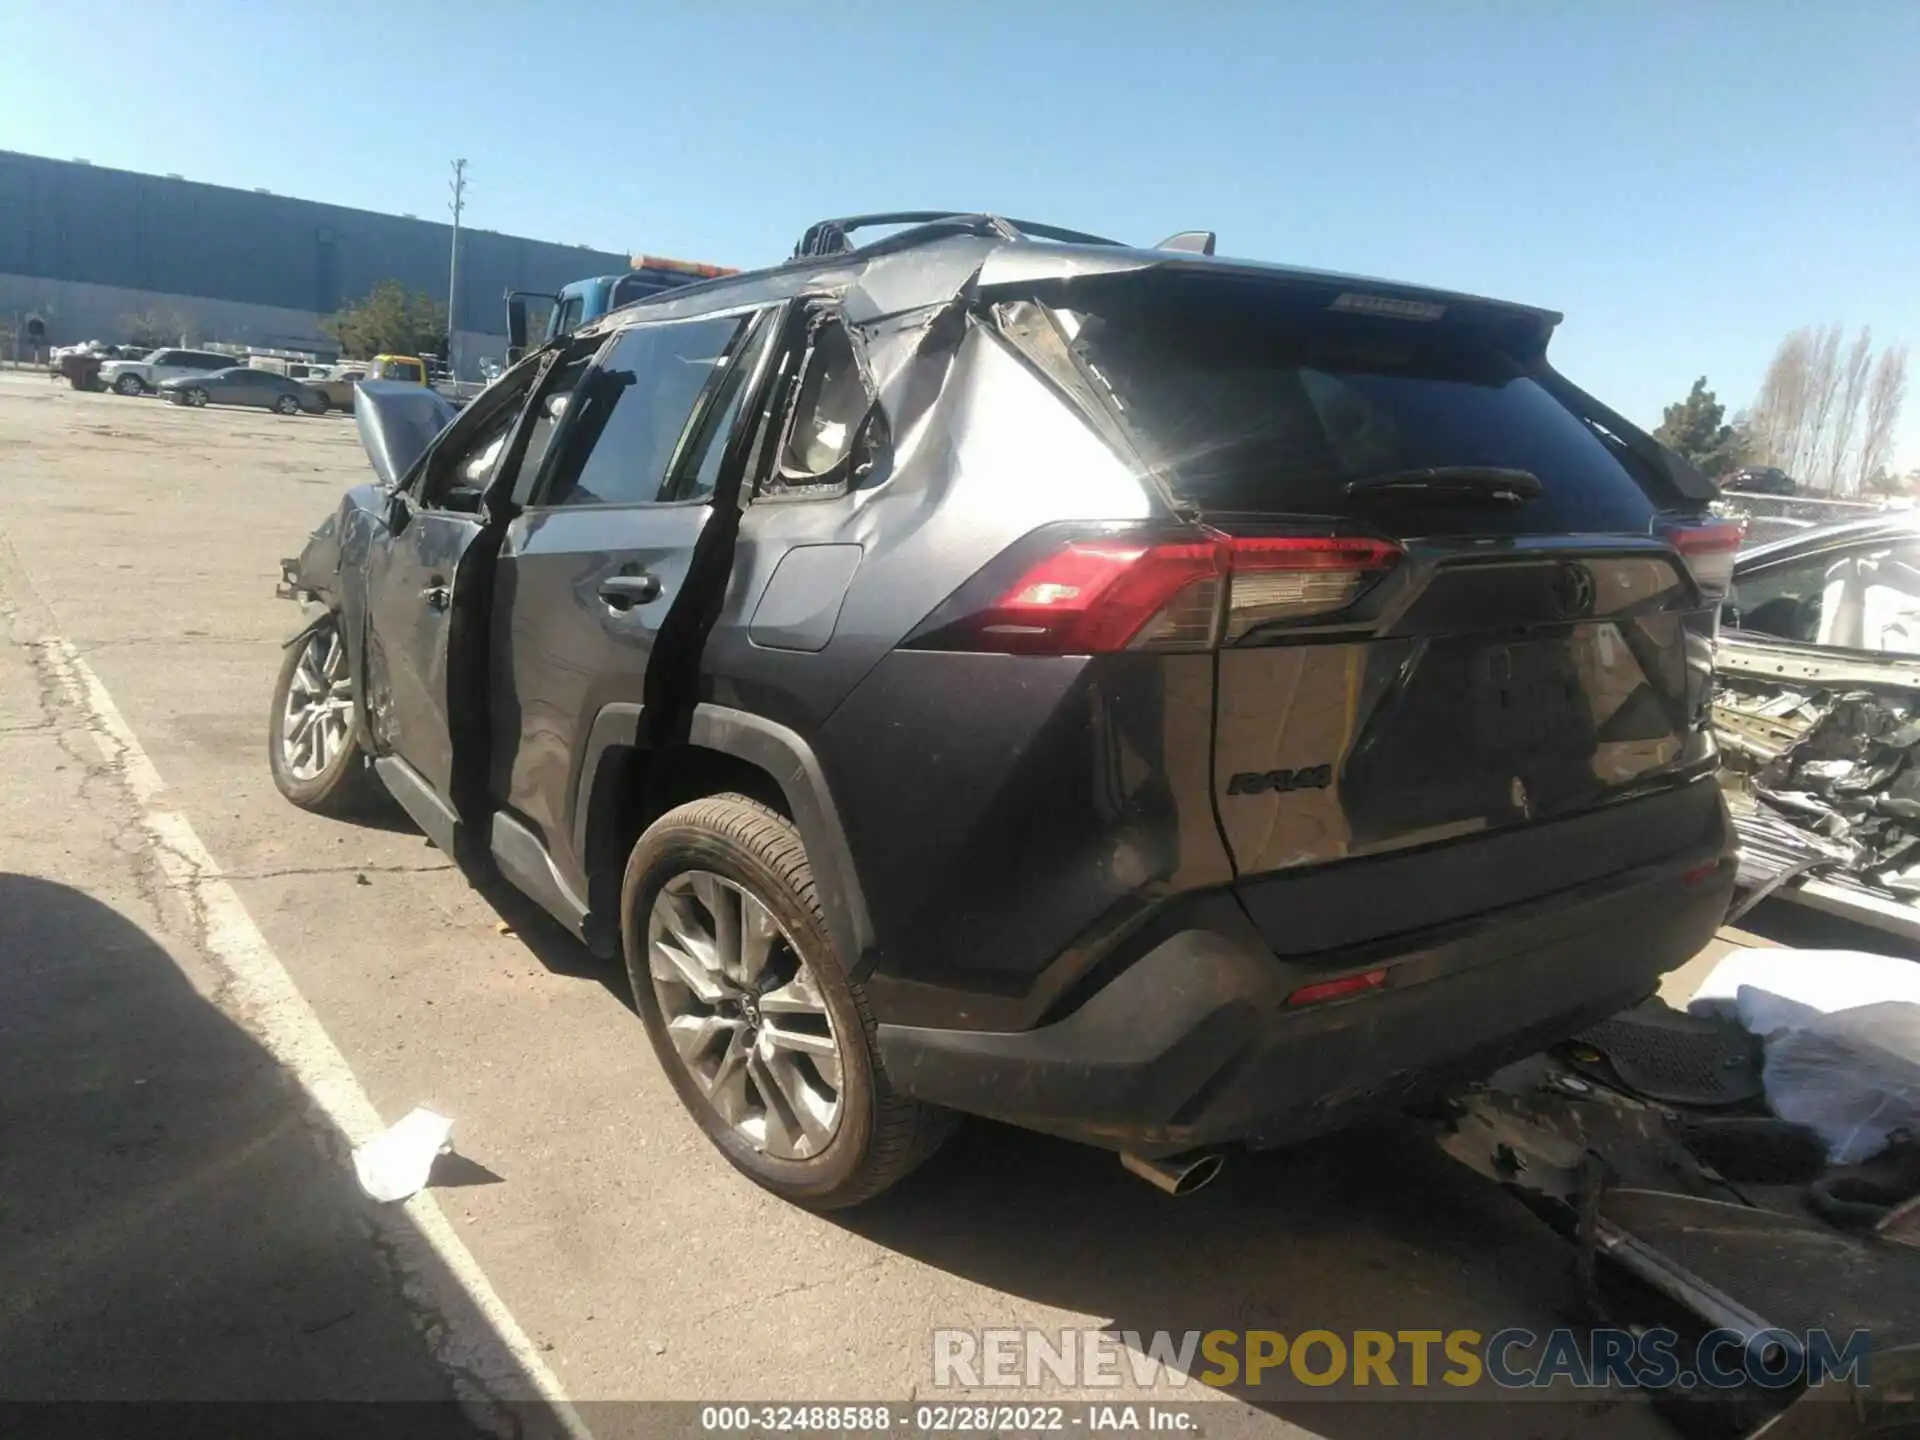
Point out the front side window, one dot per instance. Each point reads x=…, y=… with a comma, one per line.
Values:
x=550, y=411
x=628, y=414
x=457, y=481
x=1861, y=598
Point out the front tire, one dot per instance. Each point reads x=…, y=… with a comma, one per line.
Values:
x=197, y=397
x=312, y=746
x=129, y=385
x=287, y=405
x=768, y=1044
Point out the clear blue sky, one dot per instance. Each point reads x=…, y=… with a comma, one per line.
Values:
x=1687, y=181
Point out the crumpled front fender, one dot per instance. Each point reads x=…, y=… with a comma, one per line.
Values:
x=339, y=543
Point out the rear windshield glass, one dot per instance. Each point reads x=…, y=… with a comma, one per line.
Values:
x=1253, y=406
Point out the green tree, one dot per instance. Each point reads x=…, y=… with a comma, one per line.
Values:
x=1696, y=427
x=388, y=321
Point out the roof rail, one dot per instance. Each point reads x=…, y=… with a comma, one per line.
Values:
x=831, y=237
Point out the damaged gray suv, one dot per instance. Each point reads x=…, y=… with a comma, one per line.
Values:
x=1163, y=701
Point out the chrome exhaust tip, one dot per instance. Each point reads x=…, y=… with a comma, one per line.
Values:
x=1178, y=1174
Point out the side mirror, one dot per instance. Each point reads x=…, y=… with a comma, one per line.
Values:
x=399, y=509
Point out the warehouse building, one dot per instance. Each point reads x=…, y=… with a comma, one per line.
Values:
x=84, y=249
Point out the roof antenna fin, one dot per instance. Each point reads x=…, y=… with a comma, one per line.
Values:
x=1198, y=242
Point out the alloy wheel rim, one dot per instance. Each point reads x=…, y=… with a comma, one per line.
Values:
x=745, y=1015
x=318, y=720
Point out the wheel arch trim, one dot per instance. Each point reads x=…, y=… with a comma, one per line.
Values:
x=786, y=757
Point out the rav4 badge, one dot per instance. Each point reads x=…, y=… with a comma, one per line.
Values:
x=1259, y=782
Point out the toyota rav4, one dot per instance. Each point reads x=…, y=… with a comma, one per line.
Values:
x=1163, y=701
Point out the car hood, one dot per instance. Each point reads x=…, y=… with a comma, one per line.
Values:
x=397, y=421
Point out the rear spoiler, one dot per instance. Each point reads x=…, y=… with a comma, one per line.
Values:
x=1667, y=463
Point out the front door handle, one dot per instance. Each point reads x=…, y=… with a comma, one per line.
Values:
x=623, y=592
x=437, y=595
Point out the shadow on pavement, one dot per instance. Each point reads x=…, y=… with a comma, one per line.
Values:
x=547, y=940
x=173, y=1224
x=1371, y=1229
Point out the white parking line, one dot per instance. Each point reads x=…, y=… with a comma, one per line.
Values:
x=497, y=1354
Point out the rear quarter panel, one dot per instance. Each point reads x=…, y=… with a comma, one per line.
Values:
x=996, y=807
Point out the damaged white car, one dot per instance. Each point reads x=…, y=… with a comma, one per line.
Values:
x=1818, y=716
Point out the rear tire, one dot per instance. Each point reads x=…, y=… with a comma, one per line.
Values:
x=287, y=405
x=798, y=1025
x=313, y=747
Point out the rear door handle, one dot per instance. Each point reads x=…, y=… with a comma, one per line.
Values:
x=623, y=592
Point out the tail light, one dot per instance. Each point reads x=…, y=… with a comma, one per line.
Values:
x=1708, y=547
x=1086, y=595
x=1334, y=989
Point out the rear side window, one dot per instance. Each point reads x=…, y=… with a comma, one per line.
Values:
x=827, y=408
x=627, y=416
x=1252, y=406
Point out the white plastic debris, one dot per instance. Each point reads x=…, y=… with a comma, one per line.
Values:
x=1821, y=981
x=396, y=1162
x=1841, y=1031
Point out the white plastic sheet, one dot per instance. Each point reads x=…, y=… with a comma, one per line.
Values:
x=1841, y=1031
x=396, y=1162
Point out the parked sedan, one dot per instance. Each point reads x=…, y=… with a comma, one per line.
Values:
x=242, y=385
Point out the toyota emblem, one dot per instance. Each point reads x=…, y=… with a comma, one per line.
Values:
x=1573, y=589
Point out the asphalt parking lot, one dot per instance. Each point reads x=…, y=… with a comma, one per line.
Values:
x=165, y=1185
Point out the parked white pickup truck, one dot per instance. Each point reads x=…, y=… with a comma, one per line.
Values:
x=143, y=376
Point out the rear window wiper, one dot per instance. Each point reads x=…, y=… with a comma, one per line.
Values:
x=1449, y=485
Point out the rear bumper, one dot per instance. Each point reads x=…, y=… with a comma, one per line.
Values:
x=1193, y=1043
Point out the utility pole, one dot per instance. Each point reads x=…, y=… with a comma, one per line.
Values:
x=459, y=188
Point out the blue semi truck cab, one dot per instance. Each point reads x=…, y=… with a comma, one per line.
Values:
x=589, y=299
